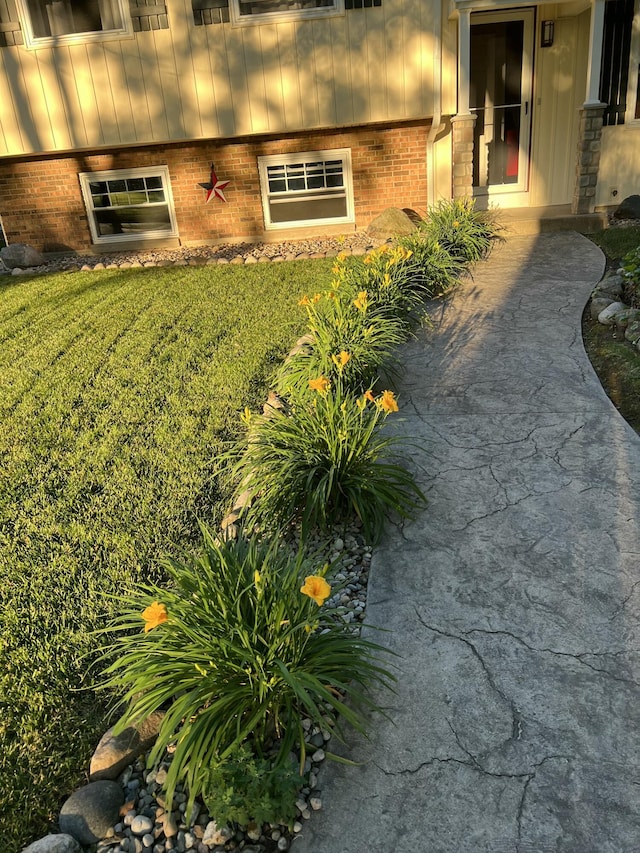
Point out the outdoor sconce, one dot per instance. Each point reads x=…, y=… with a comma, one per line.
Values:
x=546, y=39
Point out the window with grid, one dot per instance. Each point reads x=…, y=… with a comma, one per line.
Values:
x=309, y=188
x=616, y=55
x=129, y=204
x=255, y=11
x=62, y=21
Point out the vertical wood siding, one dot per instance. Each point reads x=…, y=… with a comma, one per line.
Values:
x=216, y=81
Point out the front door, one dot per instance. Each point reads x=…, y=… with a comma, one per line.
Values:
x=500, y=97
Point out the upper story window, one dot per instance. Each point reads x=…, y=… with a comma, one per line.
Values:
x=263, y=11
x=48, y=22
x=129, y=204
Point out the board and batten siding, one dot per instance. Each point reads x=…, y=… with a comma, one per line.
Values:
x=216, y=81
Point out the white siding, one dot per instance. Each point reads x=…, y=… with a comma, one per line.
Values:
x=216, y=81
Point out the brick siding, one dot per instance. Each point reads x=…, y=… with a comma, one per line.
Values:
x=41, y=202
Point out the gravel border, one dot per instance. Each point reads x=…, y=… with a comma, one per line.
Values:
x=228, y=253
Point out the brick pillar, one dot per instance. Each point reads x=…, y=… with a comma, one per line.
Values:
x=462, y=154
x=588, y=159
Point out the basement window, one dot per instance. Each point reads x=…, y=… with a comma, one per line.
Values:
x=265, y=11
x=310, y=188
x=129, y=204
x=51, y=22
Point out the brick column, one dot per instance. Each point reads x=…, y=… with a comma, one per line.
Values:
x=588, y=158
x=462, y=155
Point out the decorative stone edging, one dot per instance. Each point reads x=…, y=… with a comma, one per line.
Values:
x=236, y=254
x=608, y=308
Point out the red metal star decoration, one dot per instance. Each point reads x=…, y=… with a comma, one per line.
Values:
x=215, y=187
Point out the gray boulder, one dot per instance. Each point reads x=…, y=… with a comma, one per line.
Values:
x=632, y=332
x=609, y=315
x=611, y=285
x=21, y=256
x=629, y=208
x=391, y=223
x=115, y=752
x=90, y=811
x=60, y=843
x=598, y=305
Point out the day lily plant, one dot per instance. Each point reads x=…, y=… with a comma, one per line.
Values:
x=239, y=647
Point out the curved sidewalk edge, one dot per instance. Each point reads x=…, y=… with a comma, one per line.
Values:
x=513, y=602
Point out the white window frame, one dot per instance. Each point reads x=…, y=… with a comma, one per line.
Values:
x=86, y=178
x=343, y=154
x=633, y=82
x=239, y=20
x=32, y=41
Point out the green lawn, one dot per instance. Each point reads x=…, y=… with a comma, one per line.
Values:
x=117, y=391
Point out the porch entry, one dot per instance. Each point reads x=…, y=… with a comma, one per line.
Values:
x=501, y=52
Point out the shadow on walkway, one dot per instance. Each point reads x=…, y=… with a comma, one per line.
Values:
x=513, y=601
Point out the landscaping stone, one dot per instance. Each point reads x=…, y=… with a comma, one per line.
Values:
x=115, y=752
x=598, y=305
x=61, y=843
x=214, y=835
x=608, y=315
x=391, y=223
x=91, y=810
x=632, y=332
x=611, y=285
x=629, y=208
x=141, y=825
x=21, y=256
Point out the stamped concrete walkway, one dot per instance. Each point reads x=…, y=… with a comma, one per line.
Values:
x=513, y=601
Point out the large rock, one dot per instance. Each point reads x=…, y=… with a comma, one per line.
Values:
x=629, y=208
x=115, y=752
x=92, y=810
x=608, y=316
x=60, y=843
x=392, y=222
x=21, y=256
x=598, y=305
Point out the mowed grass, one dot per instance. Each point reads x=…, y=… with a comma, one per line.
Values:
x=117, y=392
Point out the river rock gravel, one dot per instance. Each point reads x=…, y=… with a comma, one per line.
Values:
x=228, y=253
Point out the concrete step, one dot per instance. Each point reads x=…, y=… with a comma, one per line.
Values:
x=546, y=220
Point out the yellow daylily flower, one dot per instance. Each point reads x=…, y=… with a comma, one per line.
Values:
x=362, y=301
x=341, y=359
x=305, y=300
x=388, y=402
x=155, y=614
x=321, y=384
x=316, y=588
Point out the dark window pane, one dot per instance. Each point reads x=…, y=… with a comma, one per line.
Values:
x=132, y=220
x=98, y=187
x=154, y=182
x=302, y=210
x=135, y=184
x=100, y=200
x=278, y=186
x=66, y=17
x=117, y=186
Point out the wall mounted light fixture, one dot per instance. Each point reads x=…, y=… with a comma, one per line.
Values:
x=546, y=34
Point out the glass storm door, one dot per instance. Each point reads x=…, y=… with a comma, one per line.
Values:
x=500, y=97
